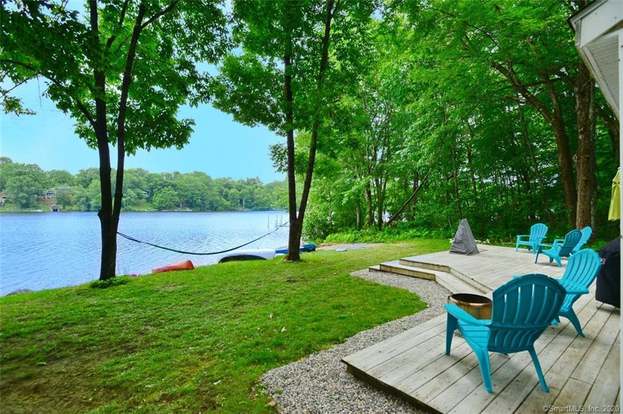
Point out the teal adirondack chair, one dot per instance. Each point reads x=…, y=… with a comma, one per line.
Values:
x=586, y=235
x=557, y=251
x=522, y=309
x=537, y=234
x=582, y=269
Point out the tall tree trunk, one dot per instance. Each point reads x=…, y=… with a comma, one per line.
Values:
x=417, y=185
x=612, y=125
x=566, y=170
x=595, y=194
x=370, y=209
x=554, y=118
x=296, y=230
x=584, y=97
x=108, y=234
x=565, y=160
x=121, y=118
x=455, y=175
x=380, y=203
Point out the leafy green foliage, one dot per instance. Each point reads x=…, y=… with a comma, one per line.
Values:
x=189, y=341
x=25, y=187
x=52, y=40
x=22, y=183
x=434, y=128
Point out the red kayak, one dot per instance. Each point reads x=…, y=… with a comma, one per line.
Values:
x=185, y=265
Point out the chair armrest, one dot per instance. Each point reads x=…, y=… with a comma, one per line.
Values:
x=578, y=290
x=521, y=236
x=558, y=242
x=572, y=287
x=463, y=316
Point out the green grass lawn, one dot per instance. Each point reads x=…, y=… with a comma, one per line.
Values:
x=195, y=341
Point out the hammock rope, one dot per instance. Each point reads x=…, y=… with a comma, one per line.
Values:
x=158, y=246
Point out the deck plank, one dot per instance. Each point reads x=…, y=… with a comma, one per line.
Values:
x=588, y=368
x=413, y=363
x=604, y=392
x=407, y=363
x=370, y=357
x=444, y=365
x=558, y=374
x=573, y=391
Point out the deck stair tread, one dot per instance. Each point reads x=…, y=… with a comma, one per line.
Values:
x=396, y=267
x=456, y=285
x=423, y=264
x=448, y=280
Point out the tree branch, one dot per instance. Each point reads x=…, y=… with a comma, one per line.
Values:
x=159, y=14
x=510, y=74
x=79, y=104
x=152, y=19
x=112, y=38
x=123, y=104
x=324, y=63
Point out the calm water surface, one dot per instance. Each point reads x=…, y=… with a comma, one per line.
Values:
x=48, y=250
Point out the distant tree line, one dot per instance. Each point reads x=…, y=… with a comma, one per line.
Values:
x=27, y=186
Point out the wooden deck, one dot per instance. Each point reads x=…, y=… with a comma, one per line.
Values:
x=581, y=371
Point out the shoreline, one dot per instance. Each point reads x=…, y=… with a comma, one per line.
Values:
x=141, y=211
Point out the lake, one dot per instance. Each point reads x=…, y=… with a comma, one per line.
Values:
x=48, y=250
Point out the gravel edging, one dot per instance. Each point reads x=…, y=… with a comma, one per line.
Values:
x=319, y=383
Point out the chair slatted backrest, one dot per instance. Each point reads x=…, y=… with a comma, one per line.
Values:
x=582, y=269
x=538, y=232
x=586, y=235
x=571, y=240
x=522, y=309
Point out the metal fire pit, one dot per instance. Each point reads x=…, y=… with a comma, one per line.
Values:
x=476, y=305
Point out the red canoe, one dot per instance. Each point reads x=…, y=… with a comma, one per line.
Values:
x=185, y=265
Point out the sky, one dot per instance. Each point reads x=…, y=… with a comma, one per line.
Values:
x=219, y=146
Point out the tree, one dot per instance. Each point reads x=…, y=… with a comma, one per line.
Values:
x=23, y=190
x=282, y=76
x=60, y=177
x=166, y=199
x=121, y=69
x=64, y=196
x=23, y=183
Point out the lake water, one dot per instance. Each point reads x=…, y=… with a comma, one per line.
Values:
x=48, y=250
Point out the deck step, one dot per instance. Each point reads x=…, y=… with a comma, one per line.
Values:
x=413, y=262
x=456, y=285
x=447, y=280
x=396, y=267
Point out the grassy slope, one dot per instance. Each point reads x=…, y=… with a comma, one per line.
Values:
x=190, y=341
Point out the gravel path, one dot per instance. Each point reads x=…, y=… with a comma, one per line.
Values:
x=347, y=246
x=320, y=383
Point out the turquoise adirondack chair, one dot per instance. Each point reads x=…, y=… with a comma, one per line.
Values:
x=557, y=251
x=537, y=234
x=586, y=235
x=582, y=269
x=522, y=309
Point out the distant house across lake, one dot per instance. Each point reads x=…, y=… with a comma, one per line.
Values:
x=49, y=199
